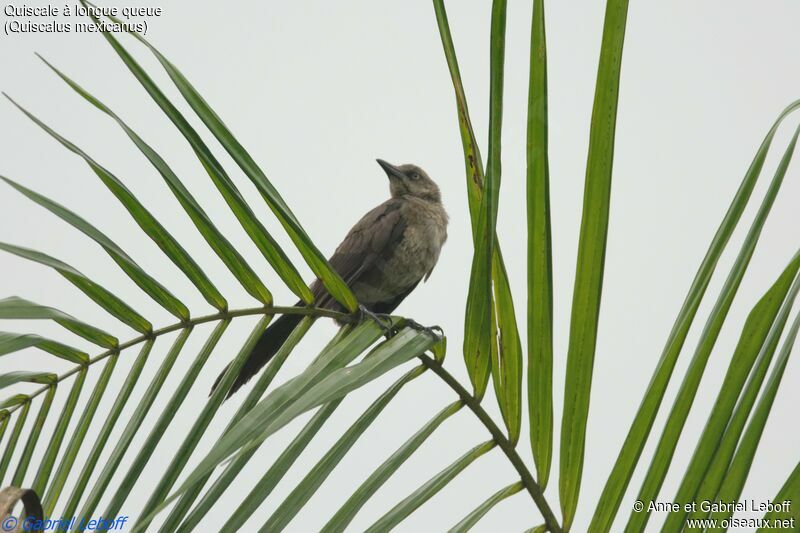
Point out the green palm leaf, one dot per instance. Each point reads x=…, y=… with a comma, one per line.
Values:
x=26, y=376
x=754, y=335
x=33, y=437
x=739, y=468
x=231, y=471
x=634, y=443
x=348, y=511
x=718, y=469
x=13, y=342
x=683, y=403
x=96, y=461
x=790, y=492
x=273, y=476
x=19, y=308
x=11, y=445
x=221, y=246
x=475, y=516
x=49, y=460
x=146, y=221
x=304, y=490
x=311, y=254
x=115, y=306
x=504, y=346
x=591, y=260
x=153, y=288
x=540, y=267
x=429, y=489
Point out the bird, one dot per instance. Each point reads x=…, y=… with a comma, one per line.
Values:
x=382, y=259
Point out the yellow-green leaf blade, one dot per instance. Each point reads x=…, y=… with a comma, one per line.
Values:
x=631, y=450
x=11, y=445
x=591, y=260
x=469, y=521
x=207, y=502
x=278, y=470
x=479, y=350
x=216, y=240
x=308, y=486
x=540, y=268
x=740, y=465
x=754, y=334
x=347, y=512
x=79, y=433
x=147, y=283
x=718, y=469
x=54, y=445
x=27, y=376
x=18, y=308
x=425, y=492
x=12, y=342
x=146, y=450
x=788, y=496
x=683, y=402
x=36, y=430
x=146, y=221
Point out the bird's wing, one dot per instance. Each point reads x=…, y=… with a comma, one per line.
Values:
x=372, y=238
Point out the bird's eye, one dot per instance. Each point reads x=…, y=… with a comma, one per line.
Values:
x=414, y=176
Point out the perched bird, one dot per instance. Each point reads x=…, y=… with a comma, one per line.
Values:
x=382, y=259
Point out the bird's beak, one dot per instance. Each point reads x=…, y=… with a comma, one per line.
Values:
x=391, y=170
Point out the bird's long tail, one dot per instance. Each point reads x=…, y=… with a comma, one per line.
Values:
x=266, y=347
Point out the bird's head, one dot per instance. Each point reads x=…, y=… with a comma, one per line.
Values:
x=410, y=180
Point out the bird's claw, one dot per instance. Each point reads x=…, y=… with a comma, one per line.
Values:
x=435, y=331
x=364, y=314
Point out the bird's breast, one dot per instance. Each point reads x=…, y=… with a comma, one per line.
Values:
x=422, y=241
x=413, y=256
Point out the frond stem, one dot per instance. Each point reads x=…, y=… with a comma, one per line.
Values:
x=222, y=315
x=470, y=401
x=503, y=443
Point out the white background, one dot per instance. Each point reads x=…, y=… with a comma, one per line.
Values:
x=316, y=91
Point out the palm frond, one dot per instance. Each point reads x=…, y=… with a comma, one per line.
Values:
x=631, y=449
x=97, y=461
x=540, y=260
x=591, y=260
x=504, y=347
x=691, y=381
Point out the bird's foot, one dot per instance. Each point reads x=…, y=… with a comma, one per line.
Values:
x=435, y=331
x=378, y=318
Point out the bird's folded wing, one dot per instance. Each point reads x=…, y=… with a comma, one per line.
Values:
x=369, y=243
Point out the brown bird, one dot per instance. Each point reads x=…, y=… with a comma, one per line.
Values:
x=382, y=259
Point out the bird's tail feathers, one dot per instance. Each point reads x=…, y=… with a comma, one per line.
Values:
x=266, y=347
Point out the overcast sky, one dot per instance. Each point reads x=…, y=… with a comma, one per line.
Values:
x=316, y=91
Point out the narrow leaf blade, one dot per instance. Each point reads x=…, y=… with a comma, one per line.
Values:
x=540, y=268
x=12, y=342
x=691, y=382
x=631, y=450
x=348, y=511
x=753, y=337
x=19, y=308
x=469, y=521
x=308, y=486
x=414, y=500
x=316, y=261
x=784, y=510
x=147, y=283
x=585, y=312
x=217, y=241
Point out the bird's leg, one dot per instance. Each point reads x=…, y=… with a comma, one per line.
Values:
x=364, y=314
x=435, y=331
